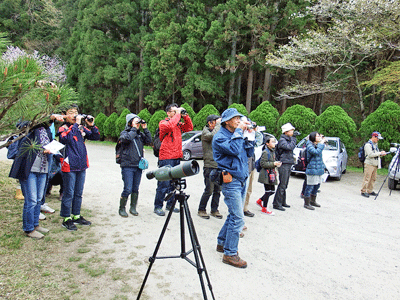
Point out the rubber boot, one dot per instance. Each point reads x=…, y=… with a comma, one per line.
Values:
x=307, y=203
x=134, y=199
x=313, y=201
x=122, y=203
x=19, y=195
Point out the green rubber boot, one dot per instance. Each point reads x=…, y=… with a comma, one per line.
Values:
x=134, y=199
x=122, y=204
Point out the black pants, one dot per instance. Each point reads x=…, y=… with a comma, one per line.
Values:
x=210, y=189
x=269, y=190
x=284, y=175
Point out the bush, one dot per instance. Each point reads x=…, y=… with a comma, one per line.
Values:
x=155, y=119
x=265, y=115
x=335, y=122
x=386, y=120
x=120, y=123
x=145, y=115
x=240, y=108
x=109, y=126
x=199, y=120
x=190, y=110
x=301, y=117
x=99, y=121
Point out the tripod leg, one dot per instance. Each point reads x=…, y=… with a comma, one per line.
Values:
x=154, y=256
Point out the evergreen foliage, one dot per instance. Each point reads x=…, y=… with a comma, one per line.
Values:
x=266, y=115
x=240, y=108
x=335, y=122
x=109, y=126
x=189, y=109
x=155, y=119
x=120, y=123
x=386, y=120
x=199, y=120
x=301, y=117
x=99, y=121
x=144, y=114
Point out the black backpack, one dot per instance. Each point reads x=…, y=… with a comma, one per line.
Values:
x=118, y=149
x=157, y=142
x=361, y=153
x=301, y=164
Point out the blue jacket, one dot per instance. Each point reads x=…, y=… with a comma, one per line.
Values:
x=315, y=165
x=231, y=152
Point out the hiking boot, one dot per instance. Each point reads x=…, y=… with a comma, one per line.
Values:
x=220, y=248
x=69, y=225
x=241, y=235
x=365, y=195
x=373, y=194
x=259, y=202
x=244, y=228
x=19, y=195
x=279, y=208
x=267, y=212
x=35, y=235
x=159, y=212
x=41, y=229
x=248, y=213
x=216, y=214
x=235, y=261
x=176, y=210
x=82, y=221
x=46, y=209
x=203, y=214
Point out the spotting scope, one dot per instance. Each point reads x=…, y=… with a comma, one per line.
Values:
x=165, y=173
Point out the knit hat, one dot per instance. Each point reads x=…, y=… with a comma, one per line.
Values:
x=130, y=117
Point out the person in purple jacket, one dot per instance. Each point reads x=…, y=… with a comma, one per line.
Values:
x=74, y=164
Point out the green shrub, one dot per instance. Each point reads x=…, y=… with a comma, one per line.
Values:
x=99, y=121
x=335, y=122
x=240, y=108
x=199, y=120
x=155, y=119
x=386, y=120
x=301, y=117
x=109, y=126
x=145, y=115
x=190, y=110
x=120, y=123
x=265, y=115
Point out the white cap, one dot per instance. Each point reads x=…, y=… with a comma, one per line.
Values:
x=287, y=127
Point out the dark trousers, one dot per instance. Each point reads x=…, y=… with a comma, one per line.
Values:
x=284, y=175
x=269, y=190
x=165, y=187
x=210, y=189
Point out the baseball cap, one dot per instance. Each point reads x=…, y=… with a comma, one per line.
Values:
x=211, y=118
x=377, y=134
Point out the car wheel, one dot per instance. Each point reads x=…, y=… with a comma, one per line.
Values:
x=186, y=155
x=391, y=184
x=340, y=174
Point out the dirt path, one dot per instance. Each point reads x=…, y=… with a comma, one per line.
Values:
x=347, y=249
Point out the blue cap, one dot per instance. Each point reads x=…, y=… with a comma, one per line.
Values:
x=229, y=114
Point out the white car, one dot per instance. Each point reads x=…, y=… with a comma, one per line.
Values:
x=334, y=156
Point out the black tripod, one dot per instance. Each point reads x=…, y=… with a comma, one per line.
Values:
x=181, y=197
x=396, y=165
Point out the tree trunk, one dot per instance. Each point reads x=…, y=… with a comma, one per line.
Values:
x=141, y=88
x=250, y=77
x=232, y=70
x=239, y=85
x=360, y=94
x=267, y=85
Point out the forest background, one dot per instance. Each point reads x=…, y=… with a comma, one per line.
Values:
x=141, y=55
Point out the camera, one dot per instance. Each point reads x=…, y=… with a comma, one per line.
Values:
x=184, y=112
x=166, y=173
x=142, y=121
x=397, y=145
x=296, y=133
x=252, y=124
x=89, y=118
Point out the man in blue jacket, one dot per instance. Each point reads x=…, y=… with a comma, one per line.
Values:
x=74, y=165
x=231, y=152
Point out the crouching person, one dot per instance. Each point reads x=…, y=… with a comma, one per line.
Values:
x=132, y=141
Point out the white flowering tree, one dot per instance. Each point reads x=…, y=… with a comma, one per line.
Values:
x=350, y=33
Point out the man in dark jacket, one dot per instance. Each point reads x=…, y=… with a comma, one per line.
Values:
x=286, y=144
x=212, y=127
x=74, y=165
x=132, y=141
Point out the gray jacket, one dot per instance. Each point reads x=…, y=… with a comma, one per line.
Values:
x=284, y=149
x=206, y=141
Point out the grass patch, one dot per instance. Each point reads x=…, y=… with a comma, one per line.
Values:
x=383, y=171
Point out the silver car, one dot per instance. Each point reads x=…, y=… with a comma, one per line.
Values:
x=394, y=168
x=191, y=145
x=334, y=156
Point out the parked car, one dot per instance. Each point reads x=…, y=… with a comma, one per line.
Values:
x=191, y=145
x=334, y=156
x=394, y=168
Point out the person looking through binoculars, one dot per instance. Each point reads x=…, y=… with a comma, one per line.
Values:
x=171, y=129
x=132, y=141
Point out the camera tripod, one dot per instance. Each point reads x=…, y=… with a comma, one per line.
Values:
x=181, y=197
x=396, y=165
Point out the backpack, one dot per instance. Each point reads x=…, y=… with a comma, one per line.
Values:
x=12, y=149
x=258, y=161
x=157, y=142
x=302, y=161
x=361, y=153
x=118, y=149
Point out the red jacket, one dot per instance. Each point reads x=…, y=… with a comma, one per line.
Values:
x=171, y=136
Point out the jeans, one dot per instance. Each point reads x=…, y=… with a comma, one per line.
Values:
x=311, y=190
x=164, y=187
x=73, y=189
x=210, y=189
x=131, y=177
x=33, y=190
x=234, y=197
x=284, y=175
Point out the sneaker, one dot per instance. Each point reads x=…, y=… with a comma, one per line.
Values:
x=216, y=214
x=248, y=213
x=279, y=208
x=373, y=194
x=220, y=248
x=81, y=221
x=42, y=216
x=159, y=212
x=176, y=210
x=235, y=261
x=41, y=229
x=203, y=214
x=259, y=201
x=69, y=225
x=365, y=195
x=35, y=235
x=267, y=212
x=241, y=235
x=46, y=209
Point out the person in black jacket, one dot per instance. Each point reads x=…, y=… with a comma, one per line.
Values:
x=284, y=151
x=132, y=141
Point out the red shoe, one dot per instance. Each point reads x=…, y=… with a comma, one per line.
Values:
x=267, y=212
x=259, y=202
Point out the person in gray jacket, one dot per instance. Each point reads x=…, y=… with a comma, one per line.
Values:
x=212, y=127
x=284, y=153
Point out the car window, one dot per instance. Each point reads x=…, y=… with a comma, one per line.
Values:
x=301, y=143
x=331, y=145
x=187, y=135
